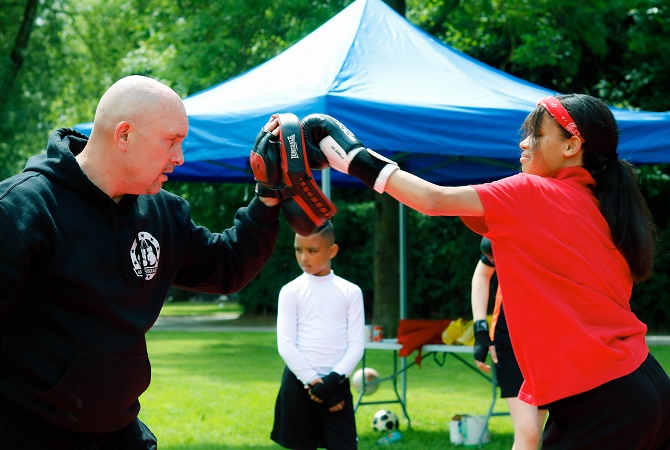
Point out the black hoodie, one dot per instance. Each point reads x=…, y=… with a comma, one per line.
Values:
x=82, y=279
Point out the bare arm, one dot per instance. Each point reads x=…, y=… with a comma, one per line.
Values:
x=481, y=281
x=431, y=199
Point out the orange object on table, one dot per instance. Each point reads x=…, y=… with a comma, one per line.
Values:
x=414, y=333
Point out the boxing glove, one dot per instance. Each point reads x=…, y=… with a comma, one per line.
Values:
x=330, y=384
x=345, y=153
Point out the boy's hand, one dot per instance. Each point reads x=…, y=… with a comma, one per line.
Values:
x=337, y=407
x=309, y=388
x=334, y=402
x=329, y=384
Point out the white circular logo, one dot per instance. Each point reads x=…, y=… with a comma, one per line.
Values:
x=144, y=254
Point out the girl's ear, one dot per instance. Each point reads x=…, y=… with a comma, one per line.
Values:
x=573, y=148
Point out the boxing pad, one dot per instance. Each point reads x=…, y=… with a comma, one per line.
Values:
x=265, y=161
x=345, y=153
x=303, y=204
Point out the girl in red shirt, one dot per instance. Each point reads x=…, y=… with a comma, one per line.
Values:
x=571, y=235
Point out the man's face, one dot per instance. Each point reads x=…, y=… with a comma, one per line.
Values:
x=155, y=149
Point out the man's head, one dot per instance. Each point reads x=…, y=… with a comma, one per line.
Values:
x=315, y=251
x=137, y=133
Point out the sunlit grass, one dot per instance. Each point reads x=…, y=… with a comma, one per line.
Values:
x=199, y=309
x=217, y=391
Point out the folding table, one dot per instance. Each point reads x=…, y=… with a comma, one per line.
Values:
x=401, y=373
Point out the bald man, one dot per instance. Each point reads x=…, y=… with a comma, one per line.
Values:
x=90, y=244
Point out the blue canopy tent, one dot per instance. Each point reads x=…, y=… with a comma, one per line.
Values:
x=446, y=116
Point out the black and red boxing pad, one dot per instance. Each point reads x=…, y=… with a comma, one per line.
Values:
x=265, y=161
x=303, y=203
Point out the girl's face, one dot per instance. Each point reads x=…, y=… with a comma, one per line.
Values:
x=544, y=150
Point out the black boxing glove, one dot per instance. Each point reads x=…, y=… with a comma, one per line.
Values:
x=345, y=153
x=482, y=340
x=330, y=384
x=334, y=398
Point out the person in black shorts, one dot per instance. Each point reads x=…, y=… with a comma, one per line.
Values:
x=320, y=331
x=527, y=419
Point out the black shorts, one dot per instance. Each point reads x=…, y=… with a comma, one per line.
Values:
x=21, y=430
x=628, y=413
x=302, y=424
x=508, y=372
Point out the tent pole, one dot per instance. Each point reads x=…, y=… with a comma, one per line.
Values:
x=402, y=254
x=325, y=181
x=402, y=214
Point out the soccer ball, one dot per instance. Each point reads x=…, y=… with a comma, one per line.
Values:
x=371, y=380
x=384, y=421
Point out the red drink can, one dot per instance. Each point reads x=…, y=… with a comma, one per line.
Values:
x=377, y=333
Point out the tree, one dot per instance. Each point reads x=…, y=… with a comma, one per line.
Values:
x=14, y=61
x=615, y=49
x=386, y=309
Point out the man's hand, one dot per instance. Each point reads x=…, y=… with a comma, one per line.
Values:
x=266, y=163
x=269, y=201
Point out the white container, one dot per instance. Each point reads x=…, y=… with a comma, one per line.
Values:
x=368, y=333
x=455, y=432
x=472, y=428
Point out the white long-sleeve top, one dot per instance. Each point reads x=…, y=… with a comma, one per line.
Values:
x=320, y=326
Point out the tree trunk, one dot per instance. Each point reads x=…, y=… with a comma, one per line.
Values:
x=386, y=308
x=10, y=70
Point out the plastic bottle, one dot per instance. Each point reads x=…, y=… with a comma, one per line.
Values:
x=390, y=438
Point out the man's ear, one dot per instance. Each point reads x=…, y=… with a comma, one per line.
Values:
x=121, y=133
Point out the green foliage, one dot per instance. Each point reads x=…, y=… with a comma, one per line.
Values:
x=650, y=299
x=615, y=49
x=443, y=256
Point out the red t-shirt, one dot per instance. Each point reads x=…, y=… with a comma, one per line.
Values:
x=566, y=286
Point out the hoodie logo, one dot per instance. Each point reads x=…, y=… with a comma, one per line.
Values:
x=144, y=254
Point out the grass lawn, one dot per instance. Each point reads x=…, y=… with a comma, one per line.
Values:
x=216, y=390
x=199, y=309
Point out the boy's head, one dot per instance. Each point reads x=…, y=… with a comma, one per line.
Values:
x=315, y=251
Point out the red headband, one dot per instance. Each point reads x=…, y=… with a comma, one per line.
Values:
x=558, y=112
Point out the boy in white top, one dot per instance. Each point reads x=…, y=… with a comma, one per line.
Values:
x=320, y=328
